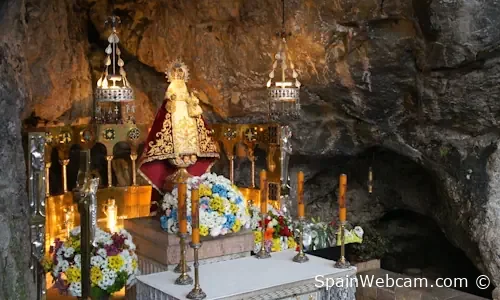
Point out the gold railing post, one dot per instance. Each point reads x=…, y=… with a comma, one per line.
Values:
x=47, y=179
x=133, y=157
x=109, y=158
x=252, y=171
x=231, y=168
x=65, y=163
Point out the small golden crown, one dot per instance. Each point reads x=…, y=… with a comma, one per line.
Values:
x=177, y=70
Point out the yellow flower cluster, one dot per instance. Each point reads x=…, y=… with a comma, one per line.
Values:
x=47, y=264
x=234, y=208
x=203, y=230
x=115, y=262
x=204, y=190
x=134, y=264
x=73, y=243
x=73, y=274
x=257, y=236
x=276, y=245
x=236, y=225
x=291, y=243
x=95, y=275
x=217, y=204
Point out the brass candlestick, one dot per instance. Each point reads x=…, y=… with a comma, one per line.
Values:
x=263, y=253
x=184, y=278
x=301, y=256
x=342, y=263
x=196, y=293
x=181, y=176
x=370, y=180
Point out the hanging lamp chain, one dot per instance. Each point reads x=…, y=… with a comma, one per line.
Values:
x=283, y=15
x=283, y=34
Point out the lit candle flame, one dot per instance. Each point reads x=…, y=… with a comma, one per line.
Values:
x=111, y=215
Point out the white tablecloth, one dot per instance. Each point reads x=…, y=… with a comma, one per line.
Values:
x=277, y=277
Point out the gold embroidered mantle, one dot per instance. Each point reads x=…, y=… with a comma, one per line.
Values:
x=163, y=146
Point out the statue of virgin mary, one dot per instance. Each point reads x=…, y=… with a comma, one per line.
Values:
x=179, y=137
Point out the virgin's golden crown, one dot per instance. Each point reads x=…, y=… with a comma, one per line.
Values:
x=177, y=71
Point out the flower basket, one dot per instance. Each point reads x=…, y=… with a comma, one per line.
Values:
x=113, y=264
x=222, y=207
x=278, y=235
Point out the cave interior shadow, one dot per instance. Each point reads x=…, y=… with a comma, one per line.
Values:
x=404, y=195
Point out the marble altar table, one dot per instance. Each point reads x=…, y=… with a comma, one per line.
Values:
x=277, y=277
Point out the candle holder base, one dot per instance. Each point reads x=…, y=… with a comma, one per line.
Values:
x=262, y=254
x=178, y=268
x=184, y=279
x=300, y=258
x=342, y=264
x=196, y=294
x=183, y=245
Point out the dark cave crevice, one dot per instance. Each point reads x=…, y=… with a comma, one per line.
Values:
x=418, y=247
x=422, y=11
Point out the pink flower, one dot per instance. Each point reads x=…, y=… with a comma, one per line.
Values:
x=118, y=240
x=111, y=250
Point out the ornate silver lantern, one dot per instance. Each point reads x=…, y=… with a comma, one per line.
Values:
x=114, y=96
x=284, y=95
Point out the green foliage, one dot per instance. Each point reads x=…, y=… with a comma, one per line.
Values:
x=443, y=151
x=97, y=293
x=324, y=234
x=374, y=245
x=120, y=282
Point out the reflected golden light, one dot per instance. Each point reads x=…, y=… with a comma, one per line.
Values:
x=69, y=219
x=252, y=197
x=130, y=202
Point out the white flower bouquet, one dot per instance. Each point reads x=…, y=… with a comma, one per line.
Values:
x=113, y=263
x=222, y=207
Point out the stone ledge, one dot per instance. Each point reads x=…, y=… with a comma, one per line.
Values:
x=369, y=265
x=406, y=293
x=159, y=246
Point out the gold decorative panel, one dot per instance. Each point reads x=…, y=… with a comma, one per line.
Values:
x=263, y=136
x=62, y=212
x=133, y=201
